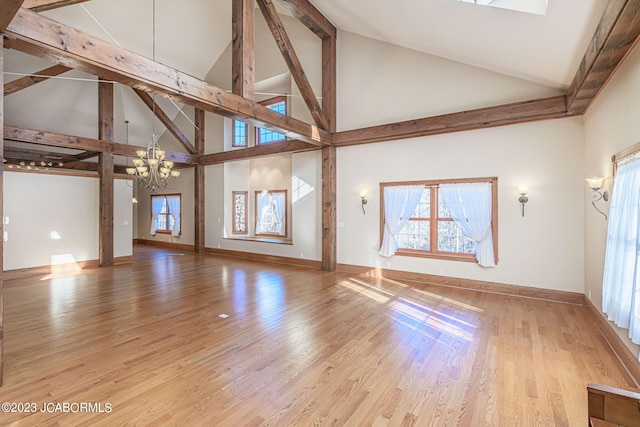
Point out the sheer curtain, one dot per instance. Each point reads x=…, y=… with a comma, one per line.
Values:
x=620, y=283
x=262, y=209
x=280, y=208
x=399, y=203
x=173, y=203
x=156, y=208
x=470, y=207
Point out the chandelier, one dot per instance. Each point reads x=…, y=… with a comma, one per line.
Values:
x=151, y=169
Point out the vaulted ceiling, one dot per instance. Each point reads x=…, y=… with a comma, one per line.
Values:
x=543, y=49
x=191, y=37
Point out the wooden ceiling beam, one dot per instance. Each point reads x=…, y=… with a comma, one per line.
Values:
x=35, y=78
x=293, y=63
x=42, y=5
x=243, y=51
x=501, y=115
x=13, y=133
x=86, y=155
x=166, y=121
x=311, y=17
x=37, y=155
x=37, y=35
x=615, y=36
x=255, y=152
x=8, y=9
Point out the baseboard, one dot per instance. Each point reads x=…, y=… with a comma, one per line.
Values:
x=162, y=244
x=476, y=285
x=20, y=273
x=266, y=258
x=624, y=354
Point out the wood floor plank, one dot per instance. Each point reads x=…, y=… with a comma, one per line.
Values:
x=299, y=347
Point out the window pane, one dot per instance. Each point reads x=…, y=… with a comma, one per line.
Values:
x=171, y=222
x=266, y=136
x=162, y=222
x=424, y=208
x=443, y=212
x=451, y=239
x=415, y=235
x=164, y=209
x=239, y=133
x=239, y=212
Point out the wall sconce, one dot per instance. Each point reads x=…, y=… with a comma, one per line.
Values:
x=595, y=184
x=522, y=191
x=363, y=198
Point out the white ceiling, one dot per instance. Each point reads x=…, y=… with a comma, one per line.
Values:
x=191, y=35
x=542, y=49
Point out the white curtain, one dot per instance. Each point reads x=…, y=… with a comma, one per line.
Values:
x=470, y=207
x=621, y=284
x=173, y=203
x=262, y=206
x=399, y=203
x=156, y=208
x=280, y=209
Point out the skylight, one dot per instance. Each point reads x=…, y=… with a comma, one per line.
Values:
x=537, y=7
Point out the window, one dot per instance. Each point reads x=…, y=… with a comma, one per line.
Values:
x=165, y=214
x=430, y=229
x=621, y=276
x=239, y=134
x=240, y=212
x=536, y=7
x=271, y=213
x=266, y=136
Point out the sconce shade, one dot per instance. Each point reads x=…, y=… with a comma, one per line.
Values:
x=595, y=183
x=363, y=198
x=523, y=189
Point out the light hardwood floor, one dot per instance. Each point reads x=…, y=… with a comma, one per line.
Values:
x=300, y=347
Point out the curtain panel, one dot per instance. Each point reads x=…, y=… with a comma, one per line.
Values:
x=399, y=203
x=173, y=203
x=470, y=207
x=620, y=283
x=156, y=208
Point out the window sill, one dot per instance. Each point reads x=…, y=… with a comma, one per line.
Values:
x=262, y=239
x=450, y=257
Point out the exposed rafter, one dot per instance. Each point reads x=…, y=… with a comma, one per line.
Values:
x=616, y=35
x=257, y=151
x=42, y=5
x=311, y=17
x=166, y=121
x=518, y=112
x=291, y=59
x=51, y=139
x=43, y=37
x=8, y=9
x=37, y=77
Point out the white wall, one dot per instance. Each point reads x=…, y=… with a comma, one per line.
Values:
x=381, y=83
x=184, y=186
x=273, y=172
x=543, y=249
x=41, y=207
x=611, y=125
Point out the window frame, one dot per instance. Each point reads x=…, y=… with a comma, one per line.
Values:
x=286, y=214
x=434, y=252
x=266, y=103
x=246, y=212
x=168, y=221
x=233, y=134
